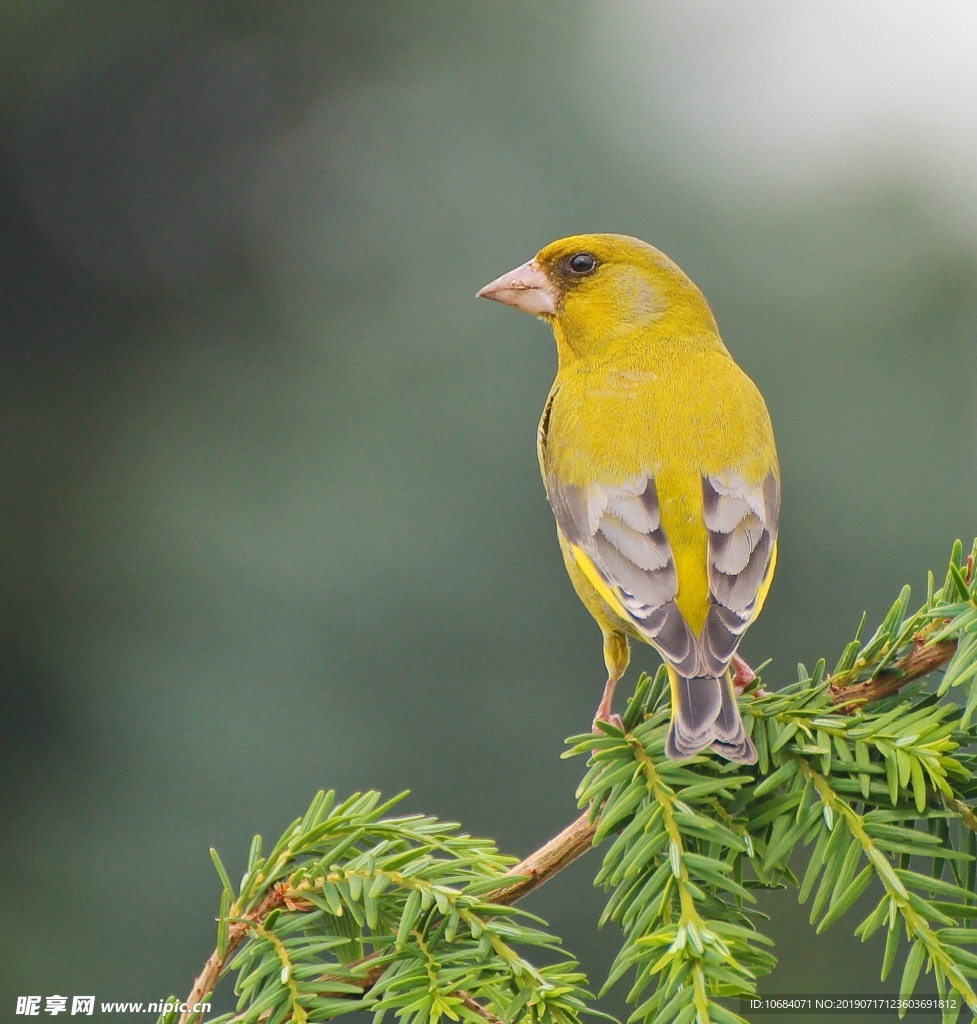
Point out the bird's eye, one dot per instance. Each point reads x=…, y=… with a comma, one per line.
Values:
x=582, y=263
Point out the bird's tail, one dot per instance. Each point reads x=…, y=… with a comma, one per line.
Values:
x=704, y=714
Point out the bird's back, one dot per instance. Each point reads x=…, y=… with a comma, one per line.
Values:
x=676, y=419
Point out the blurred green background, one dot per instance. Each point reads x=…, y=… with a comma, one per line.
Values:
x=272, y=515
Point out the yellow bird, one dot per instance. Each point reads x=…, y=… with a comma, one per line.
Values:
x=659, y=462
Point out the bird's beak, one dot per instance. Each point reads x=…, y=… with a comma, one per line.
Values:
x=527, y=288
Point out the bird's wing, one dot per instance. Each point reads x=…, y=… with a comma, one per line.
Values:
x=616, y=538
x=742, y=522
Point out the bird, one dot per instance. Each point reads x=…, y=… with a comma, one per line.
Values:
x=658, y=458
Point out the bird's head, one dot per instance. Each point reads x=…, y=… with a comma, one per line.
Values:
x=597, y=290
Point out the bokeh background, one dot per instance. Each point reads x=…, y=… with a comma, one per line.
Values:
x=271, y=512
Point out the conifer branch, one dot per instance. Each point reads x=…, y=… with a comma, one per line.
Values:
x=407, y=916
x=577, y=838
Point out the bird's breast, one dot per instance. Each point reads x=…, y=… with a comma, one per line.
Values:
x=700, y=416
x=607, y=426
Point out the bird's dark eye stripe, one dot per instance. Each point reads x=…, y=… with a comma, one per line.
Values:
x=582, y=263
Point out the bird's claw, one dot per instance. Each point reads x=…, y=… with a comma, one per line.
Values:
x=613, y=720
x=743, y=675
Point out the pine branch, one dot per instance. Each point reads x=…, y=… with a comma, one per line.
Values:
x=528, y=874
x=353, y=910
x=896, y=883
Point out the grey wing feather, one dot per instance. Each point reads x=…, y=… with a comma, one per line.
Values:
x=742, y=521
x=619, y=529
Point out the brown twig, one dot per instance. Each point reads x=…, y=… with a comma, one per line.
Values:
x=575, y=840
x=237, y=931
x=920, y=661
x=474, y=1004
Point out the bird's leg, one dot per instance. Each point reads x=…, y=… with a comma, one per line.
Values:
x=616, y=657
x=604, y=713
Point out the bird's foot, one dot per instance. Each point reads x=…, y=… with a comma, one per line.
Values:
x=612, y=719
x=744, y=676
